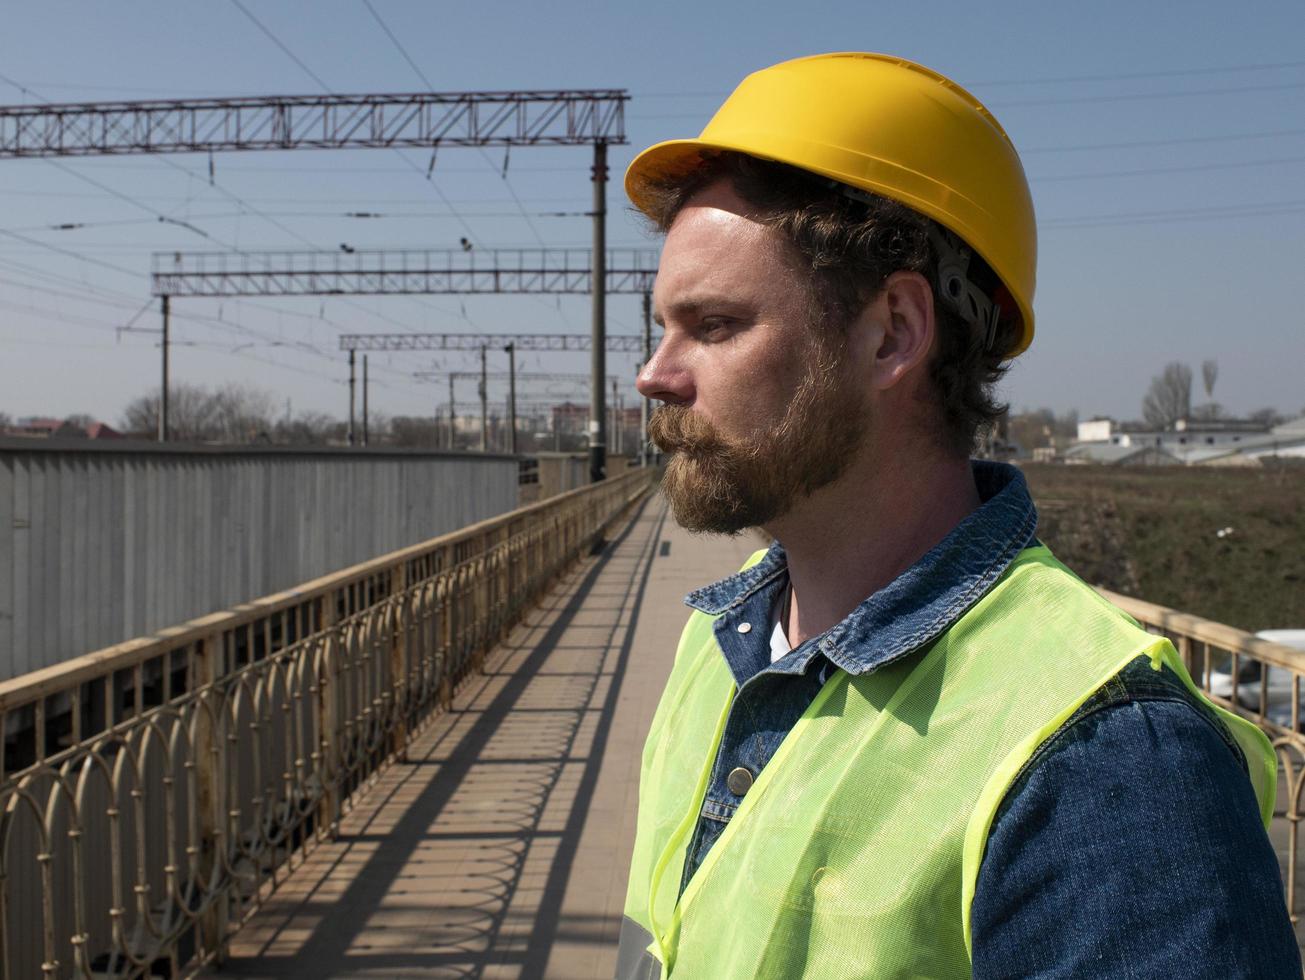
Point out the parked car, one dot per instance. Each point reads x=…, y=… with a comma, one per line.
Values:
x=1250, y=679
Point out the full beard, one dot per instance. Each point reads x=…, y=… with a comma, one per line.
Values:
x=720, y=486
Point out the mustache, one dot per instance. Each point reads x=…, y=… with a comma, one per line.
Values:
x=675, y=429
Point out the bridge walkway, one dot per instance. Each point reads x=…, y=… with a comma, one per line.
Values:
x=498, y=849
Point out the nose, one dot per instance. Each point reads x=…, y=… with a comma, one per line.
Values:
x=665, y=377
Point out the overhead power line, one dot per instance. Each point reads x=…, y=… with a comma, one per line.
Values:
x=1132, y=75
x=402, y=51
x=1147, y=96
x=1158, y=171
x=1265, y=209
x=1053, y=79
x=1072, y=99
x=507, y=183
x=522, y=376
x=1170, y=141
x=277, y=41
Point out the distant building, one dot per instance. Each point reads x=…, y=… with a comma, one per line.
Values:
x=39, y=427
x=1096, y=429
x=102, y=430
x=1282, y=441
x=1109, y=454
x=568, y=418
x=36, y=427
x=1187, y=441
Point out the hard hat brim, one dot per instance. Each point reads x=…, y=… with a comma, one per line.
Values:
x=672, y=159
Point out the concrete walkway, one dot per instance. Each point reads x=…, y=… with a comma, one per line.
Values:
x=500, y=848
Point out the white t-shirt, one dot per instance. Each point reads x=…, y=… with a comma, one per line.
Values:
x=779, y=646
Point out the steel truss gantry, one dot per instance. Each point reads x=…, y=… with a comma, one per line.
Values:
x=509, y=343
x=400, y=272
x=544, y=376
x=565, y=117
x=512, y=376
x=558, y=117
x=618, y=343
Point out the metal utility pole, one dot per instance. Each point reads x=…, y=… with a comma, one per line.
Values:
x=644, y=455
x=598, y=346
x=615, y=416
x=163, y=392
x=512, y=397
x=452, y=415
x=353, y=383
x=365, y=389
x=484, y=404
x=384, y=121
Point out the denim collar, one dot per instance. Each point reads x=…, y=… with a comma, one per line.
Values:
x=925, y=600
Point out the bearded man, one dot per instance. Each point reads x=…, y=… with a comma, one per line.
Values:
x=904, y=741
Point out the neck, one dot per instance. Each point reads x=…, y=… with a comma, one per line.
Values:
x=850, y=539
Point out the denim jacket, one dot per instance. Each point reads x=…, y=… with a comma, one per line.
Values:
x=1129, y=846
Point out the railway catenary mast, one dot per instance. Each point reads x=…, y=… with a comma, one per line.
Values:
x=555, y=117
x=421, y=272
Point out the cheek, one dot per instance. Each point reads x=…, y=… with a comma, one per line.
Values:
x=750, y=388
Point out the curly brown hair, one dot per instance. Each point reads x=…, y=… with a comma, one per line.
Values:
x=850, y=246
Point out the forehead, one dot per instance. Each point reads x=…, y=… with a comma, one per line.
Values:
x=715, y=248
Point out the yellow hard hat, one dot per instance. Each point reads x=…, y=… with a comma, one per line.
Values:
x=884, y=125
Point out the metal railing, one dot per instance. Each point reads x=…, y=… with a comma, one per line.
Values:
x=1259, y=680
x=154, y=793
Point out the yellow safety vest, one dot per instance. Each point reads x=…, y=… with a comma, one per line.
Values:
x=856, y=850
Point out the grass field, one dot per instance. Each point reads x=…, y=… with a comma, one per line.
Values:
x=1153, y=533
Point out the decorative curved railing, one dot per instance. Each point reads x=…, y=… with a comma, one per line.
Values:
x=1261, y=681
x=155, y=792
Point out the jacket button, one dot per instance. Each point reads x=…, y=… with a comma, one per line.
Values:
x=744, y=627
x=739, y=781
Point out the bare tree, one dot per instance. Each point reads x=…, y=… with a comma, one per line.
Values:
x=406, y=430
x=1169, y=398
x=76, y=426
x=232, y=414
x=241, y=414
x=308, y=429
x=1209, y=372
x=189, y=413
x=378, y=428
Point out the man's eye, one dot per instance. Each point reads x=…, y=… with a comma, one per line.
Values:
x=716, y=326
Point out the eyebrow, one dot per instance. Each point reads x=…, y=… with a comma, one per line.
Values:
x=692, y=305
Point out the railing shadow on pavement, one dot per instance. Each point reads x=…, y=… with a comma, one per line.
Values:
x=501, y=807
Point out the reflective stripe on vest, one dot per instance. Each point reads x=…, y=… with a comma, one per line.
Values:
x=856, y=850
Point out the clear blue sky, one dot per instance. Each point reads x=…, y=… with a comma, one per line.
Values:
x=1165, y=144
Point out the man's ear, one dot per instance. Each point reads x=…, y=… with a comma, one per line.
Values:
x=904, y=317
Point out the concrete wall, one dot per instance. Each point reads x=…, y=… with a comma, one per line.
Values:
x=560, y=472
x=103, y=544
x=554, y=473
